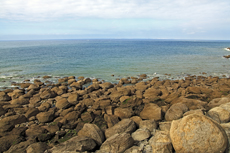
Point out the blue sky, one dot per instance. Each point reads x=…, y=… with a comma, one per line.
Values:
x=85, y=19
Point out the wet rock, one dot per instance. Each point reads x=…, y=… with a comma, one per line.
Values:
x=151, y=111
x=117, y=143
x=76, y=85
x=92, y=131
x=197, y=133
x=31, y=112
x=125, y=125
x=176, y=111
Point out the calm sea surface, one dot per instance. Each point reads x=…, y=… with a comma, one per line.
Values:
x=20, y=60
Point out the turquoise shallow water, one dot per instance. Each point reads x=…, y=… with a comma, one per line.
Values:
x=20, y=60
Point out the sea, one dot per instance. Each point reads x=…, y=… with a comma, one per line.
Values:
x=111, y=59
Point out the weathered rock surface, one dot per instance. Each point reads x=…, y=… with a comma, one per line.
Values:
x=161, y=142
x=141, y=134
x=219, y=114
x=92, y=131
x=197, y=133
x=117, y=143
x=45, y=117
x=125, y=125
x=176, y=111
x=77, y=143
x=151, y=111
x=8, y=123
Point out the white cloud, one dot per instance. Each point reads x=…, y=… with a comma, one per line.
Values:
x=163, y=9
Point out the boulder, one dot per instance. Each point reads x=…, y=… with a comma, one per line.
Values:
x=191, y=103
x=161, y=142
x=141, y=86
x=141, y=134
x=226, y=106
x=196, y=111
x=46, y=94
x=2, y=111
x=45, y=117
x=151, y=111
x=9, y=140
x=125, y=125
x=151, y=125
x=117, y=143
x=123, y=112
x=73, y=98
x=87, y=117
x=219, y=114
x=134, y=149
x=20, y=147
x=20, y=101
x=106, y=85
x=9, y=122
x=198, y=133
x=31, y=112
x=152, y=93
x=4, y=97
x=136, y=119
x=92, y=131
x=218, y=101
x=62, y=103
x=111, y=120
x=33, y=87
x=38, y=147
x=176, y=111
x=194, y=90
x=77, y=143
x=165, y=126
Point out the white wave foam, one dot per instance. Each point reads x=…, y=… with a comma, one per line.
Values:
x=227, y=49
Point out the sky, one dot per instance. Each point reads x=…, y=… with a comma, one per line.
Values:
x=114, y=19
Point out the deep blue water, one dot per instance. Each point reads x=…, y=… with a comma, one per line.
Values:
x=21, y=60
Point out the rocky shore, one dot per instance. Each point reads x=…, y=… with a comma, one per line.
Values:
x=133, y=116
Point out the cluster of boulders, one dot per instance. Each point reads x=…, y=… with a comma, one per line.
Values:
x=132, y=116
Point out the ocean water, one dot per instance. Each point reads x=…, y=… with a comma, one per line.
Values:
x=20, y=60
